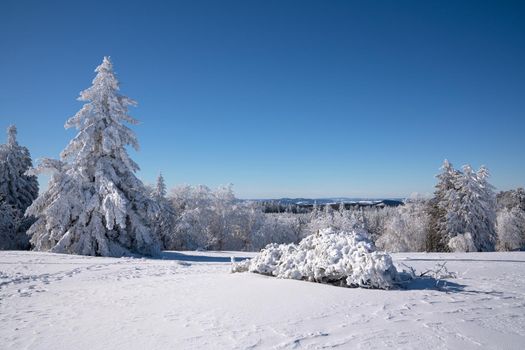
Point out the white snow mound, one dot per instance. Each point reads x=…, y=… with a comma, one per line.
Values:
x=347, y=259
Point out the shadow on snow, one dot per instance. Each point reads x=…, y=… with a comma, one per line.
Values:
x=166, y=255
x=430, y=283
x=469, y=260
x=443, y=285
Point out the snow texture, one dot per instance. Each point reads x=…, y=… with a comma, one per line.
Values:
x=343, y=258
x=190, y=300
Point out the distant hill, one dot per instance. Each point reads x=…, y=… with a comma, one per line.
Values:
x=302, y=205
x=336, y=200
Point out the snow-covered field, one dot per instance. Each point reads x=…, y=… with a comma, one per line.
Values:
x=190, y=300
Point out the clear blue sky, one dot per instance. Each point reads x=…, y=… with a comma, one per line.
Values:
x=281, y=98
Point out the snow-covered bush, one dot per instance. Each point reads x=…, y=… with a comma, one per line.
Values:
x=94, y=204
x=511, y=229
x=347, y=259
x=462, y=243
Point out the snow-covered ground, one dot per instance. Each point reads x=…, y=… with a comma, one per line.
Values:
x=190, y=300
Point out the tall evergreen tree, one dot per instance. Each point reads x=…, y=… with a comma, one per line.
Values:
x=472, y=208
x=18, y=188
x=160, y=187
x=95, y=205
x=164, y=219
x=9, y=235
x=437, y=208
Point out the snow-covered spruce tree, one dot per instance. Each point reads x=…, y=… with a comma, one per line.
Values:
x=472, y=209
x=164, y=218
x=160, y=187
x=9, y=235
x=95, y=205
x=438, y=206
x=18, y=188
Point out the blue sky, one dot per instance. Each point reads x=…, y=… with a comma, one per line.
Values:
x=281, y=98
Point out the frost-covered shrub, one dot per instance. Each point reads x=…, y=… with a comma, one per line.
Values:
x=462, y=243
x=277, y=228
x=370, y=219
x=340, y=220
x=348, y=259
x=215, y=219
x=511, y=229
x=373, y=220
x=407, y=230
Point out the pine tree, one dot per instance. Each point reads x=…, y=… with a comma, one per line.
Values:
x=164, y=218
x=472, y=208
x=487, y=237
x=160, y=187
x=95, y=205
x=9, y=237
x=19, y=189
x=438, y=206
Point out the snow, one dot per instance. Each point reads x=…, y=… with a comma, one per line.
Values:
x=191, y=300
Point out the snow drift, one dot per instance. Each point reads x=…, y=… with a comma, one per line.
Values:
x=347, y=259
